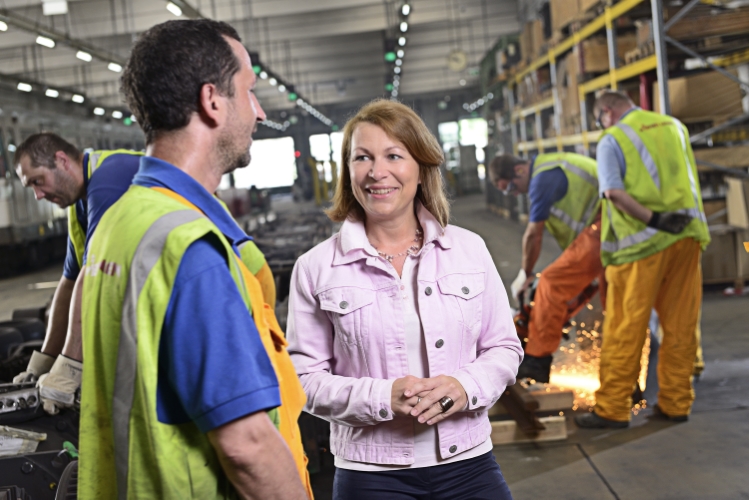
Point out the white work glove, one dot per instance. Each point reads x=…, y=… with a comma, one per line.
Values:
x=57, y=388
x=518, y=284
x=39, y=364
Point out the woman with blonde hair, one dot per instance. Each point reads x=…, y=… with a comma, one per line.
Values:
x=399, y=325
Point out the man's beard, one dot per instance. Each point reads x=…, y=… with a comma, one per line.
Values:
x=66, y=189
x=230, y=156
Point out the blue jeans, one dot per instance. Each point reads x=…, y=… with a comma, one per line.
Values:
x=477, y=478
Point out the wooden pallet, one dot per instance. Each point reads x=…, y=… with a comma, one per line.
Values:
x=507, y=431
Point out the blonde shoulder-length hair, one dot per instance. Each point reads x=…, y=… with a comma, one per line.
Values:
x=402, y=124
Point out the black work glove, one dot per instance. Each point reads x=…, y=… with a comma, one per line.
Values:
x=671, y=222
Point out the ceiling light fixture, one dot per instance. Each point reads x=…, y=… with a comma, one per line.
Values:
x=114, y=67
x=52, y=93
x=3, y=26
x=78, y=98
x=99, y=111
x=45, y=42
x=401, y=53
x=402, y=41
x=406, y=9
x=282, y=88
x=397, y=70
x=174, y=9
x=263, y=75
x=398, y=62
x=273, y=81
x=54, y=7
x=84, y=56
x=116, y=114
x=404, y=26
x=24, y=87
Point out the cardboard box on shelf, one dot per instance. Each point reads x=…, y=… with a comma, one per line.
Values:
x=532, y=41
x=596, y=52
x=715, y=211
x=567, y=82
x=725, y=255
x=644, y=31
x=704, y=95
x=563, y=12
x=737, y=203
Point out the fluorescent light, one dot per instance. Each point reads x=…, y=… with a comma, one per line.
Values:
x=401, y=53
x=394, y=93
x=406, y=9
x=116, y=114
x=132, y=117
x=99, y=111
x=397, y=70
x=404, y=26
x=51, y=93
x=263, y=75
x=402, y=41
x=83, y=56
x=398, y=62
x=114, y=67
x=3, y=26
x=54, y=7
x=11, y=148
x=282, y=88
x=174, y=9
x=78, y=98
x=24, y=87
x=46, y=42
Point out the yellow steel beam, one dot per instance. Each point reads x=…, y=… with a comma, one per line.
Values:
x=587, y=31
x=623, y=73
x=530, y=110
x=565, y=140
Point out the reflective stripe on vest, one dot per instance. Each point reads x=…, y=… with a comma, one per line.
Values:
x=148, y=252
x=645, y=156
x=692, y=183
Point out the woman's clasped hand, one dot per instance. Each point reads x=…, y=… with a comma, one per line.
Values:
x=419, y=397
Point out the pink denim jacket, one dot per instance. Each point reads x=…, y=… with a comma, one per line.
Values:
x=348, y=344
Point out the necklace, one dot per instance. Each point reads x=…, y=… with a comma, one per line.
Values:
x=412, y=250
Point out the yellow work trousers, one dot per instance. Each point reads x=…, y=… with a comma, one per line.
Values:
x=670, y=281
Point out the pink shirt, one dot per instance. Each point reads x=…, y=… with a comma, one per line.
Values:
x=347, y=338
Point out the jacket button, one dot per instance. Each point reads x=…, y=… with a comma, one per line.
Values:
x=439, y=343
x=343, y=305
x=474, y=400
x=383, y=413
x=428, y=290
x=465, y=290
x=453, y=449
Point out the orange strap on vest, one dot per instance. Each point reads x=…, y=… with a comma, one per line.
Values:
x=292, y=393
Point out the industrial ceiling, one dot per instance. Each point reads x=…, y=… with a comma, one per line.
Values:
x=330, y=51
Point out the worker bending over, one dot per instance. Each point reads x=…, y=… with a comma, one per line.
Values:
x=188, y=390
x=563, y=197
x=87, y=184
x=653, y=231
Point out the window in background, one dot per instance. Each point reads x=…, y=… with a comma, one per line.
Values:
x=475, y=132
x=321, y=149
x=449, y=133
x=273, y=165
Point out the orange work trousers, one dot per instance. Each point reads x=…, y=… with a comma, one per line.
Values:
x=560, y=282
x=670, y=281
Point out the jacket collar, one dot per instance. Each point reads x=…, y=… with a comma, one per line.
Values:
x=353, y=244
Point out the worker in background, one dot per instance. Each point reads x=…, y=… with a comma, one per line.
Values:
x=653, y=231
x=563, y=197
x=87, y=184
x=188, y=391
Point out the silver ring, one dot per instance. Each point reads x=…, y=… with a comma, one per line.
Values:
x=446, y=403
x=419, y=400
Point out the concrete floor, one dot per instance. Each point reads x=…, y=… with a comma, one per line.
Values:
x=705, y=458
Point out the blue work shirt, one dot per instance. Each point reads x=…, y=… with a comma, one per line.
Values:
x=544, y=190
x=213, y=367
x=108, y=183
x=611, y=164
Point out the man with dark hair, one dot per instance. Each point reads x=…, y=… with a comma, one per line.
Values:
x=87, y=184
x=563, y=197
x=188, y=390
x=653, y=230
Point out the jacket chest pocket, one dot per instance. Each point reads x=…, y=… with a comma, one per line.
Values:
x=467, y=290
x=349, y=308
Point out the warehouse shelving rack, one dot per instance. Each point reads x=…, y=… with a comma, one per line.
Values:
x=615, y=75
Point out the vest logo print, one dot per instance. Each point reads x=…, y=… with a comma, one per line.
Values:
x=655, y=125
x=109, y=268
